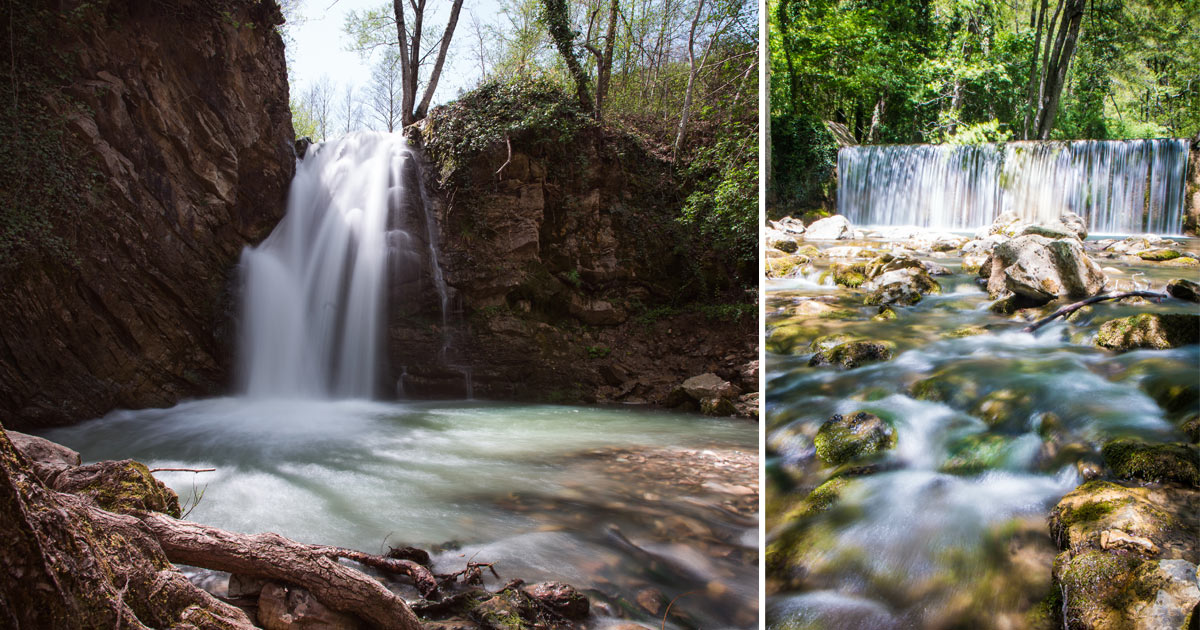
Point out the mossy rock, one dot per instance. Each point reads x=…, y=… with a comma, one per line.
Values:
x=886, y=314
x=890, y=262
x=1184, y=289
x=1156, y=255
x=861, y=434
x=854, y=354
x=819, y=500
x=785, y=267
x=788, y=337
x=825, y=343
x=1175, y=395
x=808, y=250
x=946, y=386
x=851, y=275
x=120, y=486
x=975, y=454
x=966, y=331
x=1007, y=408
x=1134, y=459
x=1096, y=587
x=1160, y=331
x=1191, y=427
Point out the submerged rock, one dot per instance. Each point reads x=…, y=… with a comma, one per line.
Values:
x=1043, y=269
x=1134, y=459
x=853, y=354
x=1159, y=331
x=843, y=438
x=829, y=229
x=789, y=337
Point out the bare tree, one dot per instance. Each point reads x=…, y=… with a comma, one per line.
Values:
x=319, y=99
x=351, y=109
x=384, y=97
x=410, y=56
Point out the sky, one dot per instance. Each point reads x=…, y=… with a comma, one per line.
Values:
x=320, y=46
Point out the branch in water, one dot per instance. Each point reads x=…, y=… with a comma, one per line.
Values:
x=1071, y=308
x=195, y=470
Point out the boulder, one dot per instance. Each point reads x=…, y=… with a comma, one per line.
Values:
x=849, y=274
x=706, y=386
x=788, y=225
x=1128, y=557
x=902, y=286
x=843, y=438
x=718, y=407
x=563, y=599
x=48, y=458
x=595, y=312
x=854, y=354
x=1159, y=255
x=1159, y=331
x=119, y=486
x=828, y=229
x=1184, y=290
x=1008, y=224
x=776, y=239
x=1043, y=269
x=1137, y=460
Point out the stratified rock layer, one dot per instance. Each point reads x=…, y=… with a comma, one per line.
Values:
x=183, y=109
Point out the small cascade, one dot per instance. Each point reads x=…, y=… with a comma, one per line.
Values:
x=316, y=289
x=1118, y=186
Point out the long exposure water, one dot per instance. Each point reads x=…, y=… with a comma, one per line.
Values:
x=616, y=500
x=950, y=530
x=1118, y=186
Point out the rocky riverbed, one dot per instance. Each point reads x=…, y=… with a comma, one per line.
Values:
x=931, y=465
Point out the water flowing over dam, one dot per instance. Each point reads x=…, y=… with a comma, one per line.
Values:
x=1118, y=186
x=316, y=290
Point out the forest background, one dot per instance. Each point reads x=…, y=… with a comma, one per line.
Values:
x=969, y=71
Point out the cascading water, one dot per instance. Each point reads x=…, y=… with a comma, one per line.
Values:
x=1118, y=186
x=315, y=290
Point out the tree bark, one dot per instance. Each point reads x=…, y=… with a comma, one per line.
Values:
x=274, y=557
x=1071, y=308
x=693, y=71
x=423, y=108
x=556, y=18
x=1056, y=67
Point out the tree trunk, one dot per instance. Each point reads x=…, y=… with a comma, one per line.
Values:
x=693, y=71
x=876, y=118
x=557, y=20
x=604, y=63
x=423, y=109
x=1056, y=68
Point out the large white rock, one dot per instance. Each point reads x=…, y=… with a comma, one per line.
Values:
x=1043, y=269
x=829, y=229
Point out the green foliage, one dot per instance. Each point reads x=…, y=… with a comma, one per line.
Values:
x=574, y=279
x=729, y=312
x=303, y=121
x=960, y=71
x=723, y=206
x=537, y=112
x=598, y=352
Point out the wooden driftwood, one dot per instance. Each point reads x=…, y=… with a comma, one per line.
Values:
x=1071, y=308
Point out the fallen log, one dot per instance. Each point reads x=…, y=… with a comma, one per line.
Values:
x=274, y=557
x=1071, y=308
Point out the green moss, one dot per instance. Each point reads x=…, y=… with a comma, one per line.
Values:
x=829, y=342
x=1134, y=459
x=966, y=331
x=785, y=267
x=886, y=314
x=1004, y=408
x=785, y=339
x=1095, y=584
x=854, y=354
x=1159, y=254
x=1159, y=331
x=975, y=454
x=819, y=500
x=841, y=439
x=851, y=275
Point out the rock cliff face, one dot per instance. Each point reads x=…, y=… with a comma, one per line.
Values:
x=181, y=108
x=567, y=280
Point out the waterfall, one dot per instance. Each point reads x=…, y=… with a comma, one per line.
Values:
x=315, y=291
x=1118, y=186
